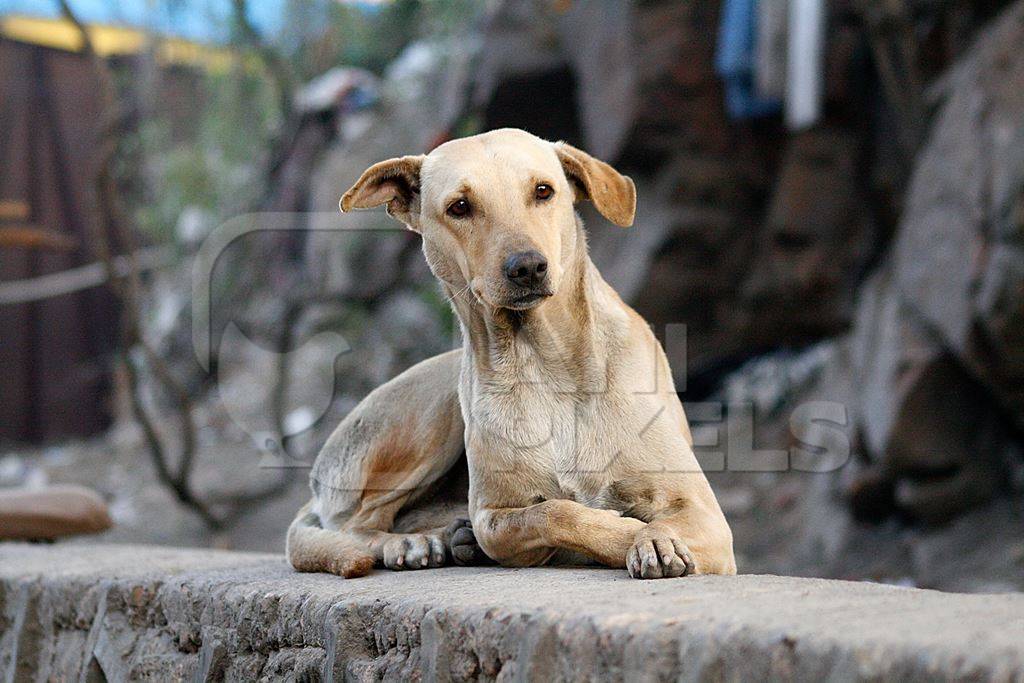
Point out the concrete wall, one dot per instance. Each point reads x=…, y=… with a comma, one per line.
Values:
x=85, y=612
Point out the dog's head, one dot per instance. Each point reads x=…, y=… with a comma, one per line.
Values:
x=496, y=210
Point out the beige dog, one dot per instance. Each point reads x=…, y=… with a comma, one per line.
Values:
x=561, y=398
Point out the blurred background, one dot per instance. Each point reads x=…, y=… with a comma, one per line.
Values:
x=831, y=200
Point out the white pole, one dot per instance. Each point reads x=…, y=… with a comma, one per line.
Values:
x=805, y=63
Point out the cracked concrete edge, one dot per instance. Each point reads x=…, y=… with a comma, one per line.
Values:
x=72, y=612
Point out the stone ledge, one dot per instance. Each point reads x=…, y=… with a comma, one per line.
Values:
x=71, y=612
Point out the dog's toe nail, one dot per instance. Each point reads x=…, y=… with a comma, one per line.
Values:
x=463, y=554
x=455, y=525
x=464, y=536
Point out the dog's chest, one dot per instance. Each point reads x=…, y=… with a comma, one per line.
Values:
x=555, y=437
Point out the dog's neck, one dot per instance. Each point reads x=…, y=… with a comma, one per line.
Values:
x=562, y=332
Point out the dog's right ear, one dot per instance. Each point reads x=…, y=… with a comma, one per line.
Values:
x=613, y=194
x=395, y=182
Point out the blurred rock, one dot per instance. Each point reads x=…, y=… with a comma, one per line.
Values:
x=773, y=380
x=958, y=259
x=345, y=87
x=50, y=513
x=193, y=226
x=936, y=362
x=12, y=471
x=814, y=246
x=360, y=256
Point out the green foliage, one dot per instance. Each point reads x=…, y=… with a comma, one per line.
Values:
x=432, y=295
x=234, y=118
x=448, y=18
x=215, y=165
x=327, y=33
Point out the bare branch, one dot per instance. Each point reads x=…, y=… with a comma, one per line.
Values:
x=127, y=286
x=275, y=65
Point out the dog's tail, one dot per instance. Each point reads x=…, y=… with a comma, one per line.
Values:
x=311, y=548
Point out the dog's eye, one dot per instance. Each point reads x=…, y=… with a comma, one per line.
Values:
x=543, y=192
x=460, y=208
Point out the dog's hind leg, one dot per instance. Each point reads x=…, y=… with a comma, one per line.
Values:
x=422, y=520
x=311, y=548
x=386, y=461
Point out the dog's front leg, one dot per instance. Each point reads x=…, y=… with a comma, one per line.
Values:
x=529, y=536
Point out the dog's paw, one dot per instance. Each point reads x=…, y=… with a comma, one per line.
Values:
x=414, y=551
x=351, y=566
x=462, y=544
x=660, y=557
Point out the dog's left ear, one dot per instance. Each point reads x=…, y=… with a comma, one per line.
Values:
x=613, y=194
x=395, y=182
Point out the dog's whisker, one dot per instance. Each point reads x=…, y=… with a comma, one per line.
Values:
x=451, y=299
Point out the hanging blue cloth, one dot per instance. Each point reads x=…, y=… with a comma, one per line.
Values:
x=734, y=61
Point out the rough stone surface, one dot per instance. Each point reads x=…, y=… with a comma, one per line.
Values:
x=71, y=612
x=936, y=368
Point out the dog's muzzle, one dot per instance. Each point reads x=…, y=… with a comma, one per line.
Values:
x=526, y=273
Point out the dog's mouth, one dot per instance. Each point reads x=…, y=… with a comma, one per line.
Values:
x=528, y=300
x=512, y=299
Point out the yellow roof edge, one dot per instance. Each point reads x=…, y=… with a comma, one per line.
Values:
x=109, y=40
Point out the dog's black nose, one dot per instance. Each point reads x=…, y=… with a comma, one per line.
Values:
x=526, y=269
